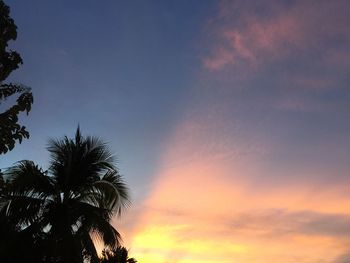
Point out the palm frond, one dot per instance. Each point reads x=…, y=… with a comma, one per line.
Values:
x=96, y=220
x=103, y=230
x=26, y=176
x=115, y=191
x=89, y=250
x=77, y=163
x=25, y=192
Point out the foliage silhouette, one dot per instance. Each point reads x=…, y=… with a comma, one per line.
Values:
x=17, y=245
x=116, y=255
x=71, y=204
x=10, y=130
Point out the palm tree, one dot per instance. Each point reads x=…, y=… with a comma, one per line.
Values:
x=71, y=204
x=116, y=255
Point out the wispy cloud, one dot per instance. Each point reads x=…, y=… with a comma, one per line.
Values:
x=296, y=51
x=256, y=42
x=259, y=33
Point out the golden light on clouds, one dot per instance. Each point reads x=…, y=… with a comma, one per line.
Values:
x=205, y=207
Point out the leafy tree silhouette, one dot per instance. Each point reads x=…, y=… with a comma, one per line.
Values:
x=68, y=206
x=10, y=130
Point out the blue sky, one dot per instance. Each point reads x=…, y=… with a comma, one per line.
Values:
x=119, y=69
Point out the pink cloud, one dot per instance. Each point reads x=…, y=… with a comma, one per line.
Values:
x=222, y=58
x=263, y=38
x=245, y=35
x=254, y=41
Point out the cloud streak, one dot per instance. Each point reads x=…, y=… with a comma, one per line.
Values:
x=248, y=34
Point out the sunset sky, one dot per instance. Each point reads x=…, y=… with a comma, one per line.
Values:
x=230, y=119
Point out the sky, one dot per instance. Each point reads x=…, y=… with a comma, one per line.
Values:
x=230, y=119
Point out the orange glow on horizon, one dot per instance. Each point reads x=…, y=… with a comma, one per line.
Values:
x=204, y=210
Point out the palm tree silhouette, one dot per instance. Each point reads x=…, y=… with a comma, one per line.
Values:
x=116, y=255
x=71, y=204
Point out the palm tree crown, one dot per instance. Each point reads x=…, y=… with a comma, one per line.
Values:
x=70, y=204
